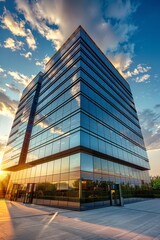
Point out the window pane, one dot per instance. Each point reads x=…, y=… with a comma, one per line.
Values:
x=104, y=166
x=57, y=165
x=50, y=168
x=97, y=165
x=86, y=162
x=44, y=169
x=75, y=162
x=75, y=139
x=65, y=165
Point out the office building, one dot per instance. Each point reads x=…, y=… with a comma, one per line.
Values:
x=76, y=135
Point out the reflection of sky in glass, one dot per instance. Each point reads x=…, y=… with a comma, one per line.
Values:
x=97, y=165
x=76, y=88
x=44, y=169
x=57, y=166
x=75, y=162
x=86, y=162
x=65, y=164
x=66, y=169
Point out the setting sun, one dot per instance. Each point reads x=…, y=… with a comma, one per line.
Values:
x=2, y=174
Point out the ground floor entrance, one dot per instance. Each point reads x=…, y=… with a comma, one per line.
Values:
x=116, y=195
x=23, y=192
x=84, y=196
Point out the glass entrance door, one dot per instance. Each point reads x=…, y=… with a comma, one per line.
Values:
x=14, y=193
x=115, y=195
x=29, y=193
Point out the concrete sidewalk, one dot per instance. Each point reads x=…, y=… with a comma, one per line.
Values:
x=28, y=222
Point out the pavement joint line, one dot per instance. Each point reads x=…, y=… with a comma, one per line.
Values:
x=36, y=215
x=134, y=225
x=139, y=210
x=38, y=207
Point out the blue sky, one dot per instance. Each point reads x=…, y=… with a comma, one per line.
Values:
x=126, y=31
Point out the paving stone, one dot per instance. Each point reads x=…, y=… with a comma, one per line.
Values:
x=132, y=222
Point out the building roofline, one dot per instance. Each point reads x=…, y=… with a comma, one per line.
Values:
x=66, y=41
x=71, y=36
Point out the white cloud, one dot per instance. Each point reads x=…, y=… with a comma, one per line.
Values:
x=138, y=70
x=13, y=88
x=119, y=9
x=141, y=69
x=142, y=78
x=46, y=59
x=1, y=70
x=3, y=142
x=21, y=78
x=2, y=90
x=13, y=44
x=7, y=106
x=68, y=15
x=18, y=28
x=150, y=124
x=35, y=16
x=38, y=63
x=9, y=43
x=121, y=61
x=43, y=62
x=30, y=40
x=26, y=55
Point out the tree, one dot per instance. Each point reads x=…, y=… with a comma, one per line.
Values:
x=4, y=184
x=155, y=183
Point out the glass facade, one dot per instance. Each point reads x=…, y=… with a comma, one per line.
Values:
x=76, y=132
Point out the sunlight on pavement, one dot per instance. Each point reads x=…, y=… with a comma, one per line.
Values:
x=5, y=229
x=53, y=217
x=46, y=225
x=138, y=221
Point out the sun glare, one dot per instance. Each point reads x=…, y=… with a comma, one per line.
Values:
x=2, y=174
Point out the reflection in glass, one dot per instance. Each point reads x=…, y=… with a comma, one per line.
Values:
x=48, y=149
x=65, y=165
x=86, y=162
x=38, y=170
x=73, y=190
x=85, y=139
x=74, y=175
x=75, y=140
x=44, y=169
x=75, y=162
x=64, y=176
x=57, y=166
x=97, y=164
x=63, y=185
x=50, y=168
x=64, y=143
x=104, y=166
